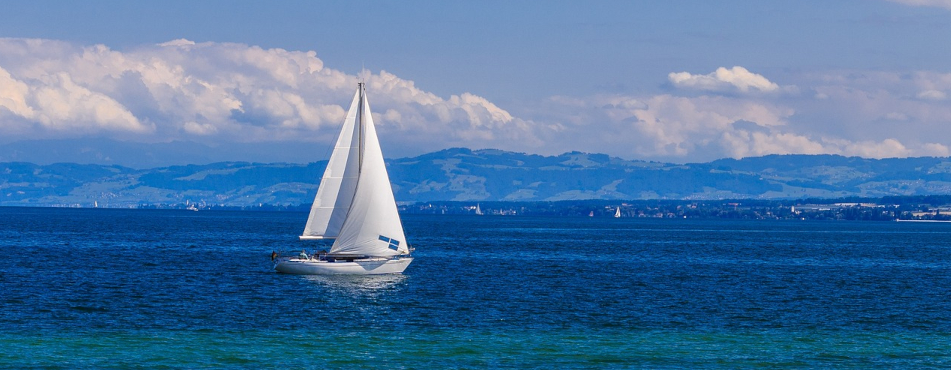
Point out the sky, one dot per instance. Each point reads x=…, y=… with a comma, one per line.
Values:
x=675, y=81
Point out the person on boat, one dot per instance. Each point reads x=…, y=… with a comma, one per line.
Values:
x=273, y=256
x=303, y=254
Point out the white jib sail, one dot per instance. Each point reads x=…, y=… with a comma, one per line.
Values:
x=373, y=226
x=339, y=182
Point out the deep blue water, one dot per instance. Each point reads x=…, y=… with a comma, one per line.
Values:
x=99, y=288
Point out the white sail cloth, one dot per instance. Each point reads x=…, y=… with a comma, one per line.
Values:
x=339, y=182
x=358, y=207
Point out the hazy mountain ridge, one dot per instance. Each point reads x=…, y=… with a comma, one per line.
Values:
x=481, y=175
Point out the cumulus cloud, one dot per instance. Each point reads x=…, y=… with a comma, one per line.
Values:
x=13, y=95
x=863, y=105
x=934, y=3
x=702, y=128
x=222, y=92
x=57, y=103
x=219, y=93
x=854, y=113
x=678, y=125
x=871, y=114
x=937, y=150
x=932, y=95
x=733, y=79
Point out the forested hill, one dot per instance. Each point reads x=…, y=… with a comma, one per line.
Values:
x=480, y=175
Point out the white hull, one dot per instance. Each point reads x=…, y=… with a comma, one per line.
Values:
x=373, y=266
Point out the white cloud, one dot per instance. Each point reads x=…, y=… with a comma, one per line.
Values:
x=736, y=78
x=935, y=149
x=887, y=148
x=934, y=3
x=13, y=95
x=668, y=127
x=869, y=114
x=219, y=93
x=56, y=103
x=178, y=42
x=199, y=128
x=932, y=95
x=224, y=92
x=678, y=125
x=62, y=104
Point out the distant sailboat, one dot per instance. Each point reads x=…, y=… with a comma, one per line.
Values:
x=354, y=207
x=478, y=210
x=591, y=214
x=617, y=214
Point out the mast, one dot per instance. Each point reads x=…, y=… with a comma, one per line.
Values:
x=362, y=124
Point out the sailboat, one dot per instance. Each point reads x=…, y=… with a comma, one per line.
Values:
x=617, y=214
x=478, y=210
x=354, y=207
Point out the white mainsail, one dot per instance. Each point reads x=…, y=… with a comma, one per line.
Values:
x=339, y=182
x=358, y=206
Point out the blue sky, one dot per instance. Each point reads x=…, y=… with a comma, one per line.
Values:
x=674, y=80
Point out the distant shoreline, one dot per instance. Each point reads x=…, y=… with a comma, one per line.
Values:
x=903, y=209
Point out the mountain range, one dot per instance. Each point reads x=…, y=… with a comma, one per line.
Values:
x=479, y=175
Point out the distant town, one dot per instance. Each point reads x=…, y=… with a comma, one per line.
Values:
x=929, y=208
x=920, y=208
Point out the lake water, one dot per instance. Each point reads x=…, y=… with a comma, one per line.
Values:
x=96, y=288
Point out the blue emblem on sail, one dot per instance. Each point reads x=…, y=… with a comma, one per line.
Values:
x=394, y=244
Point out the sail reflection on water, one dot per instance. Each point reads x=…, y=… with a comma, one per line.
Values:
x=358, y=284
